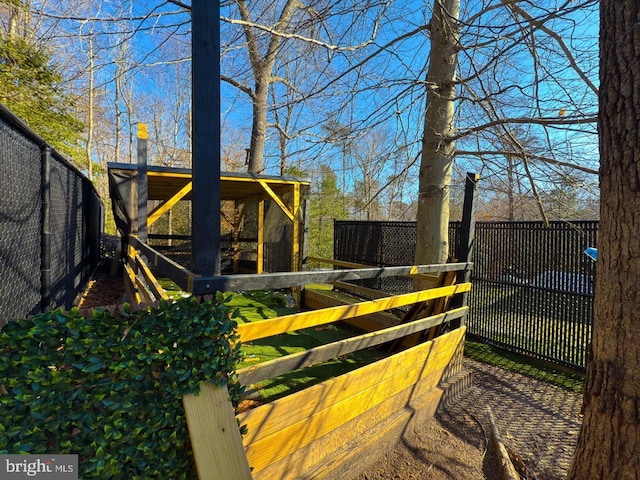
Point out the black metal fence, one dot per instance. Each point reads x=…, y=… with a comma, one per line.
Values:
x=533, y=285
x=50, y=224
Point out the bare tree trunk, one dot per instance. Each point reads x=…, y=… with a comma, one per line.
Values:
x=259, y=126
x=437, y=148
x=510, y=196
x=609, y=441
x=262, y=66
x=89, y=145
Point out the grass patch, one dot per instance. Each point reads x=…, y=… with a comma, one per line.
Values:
x=572, y=381
x=262, y=305
x=172, y=289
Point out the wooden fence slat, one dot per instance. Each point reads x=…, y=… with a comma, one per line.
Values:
x=151, y=281
x=272, y=417
x=363, y=290
x=275, y=326
x=315, y=300
x=338, y=263
x=263, y=450
x=256, y=373
x=215, y=438
x=130, y=284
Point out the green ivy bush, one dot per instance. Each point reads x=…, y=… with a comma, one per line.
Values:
x=109, y=387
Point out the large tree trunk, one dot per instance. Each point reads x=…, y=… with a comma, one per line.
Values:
x=609, y=442
x=432, y=243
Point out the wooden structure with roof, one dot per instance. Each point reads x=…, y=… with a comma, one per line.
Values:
x=248, y=197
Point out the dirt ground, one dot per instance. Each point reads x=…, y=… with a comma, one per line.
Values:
x=103, y=289
x=440, y=448
x=537, y=422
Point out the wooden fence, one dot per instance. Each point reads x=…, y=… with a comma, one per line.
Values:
x=335, y=426
x=329, y=427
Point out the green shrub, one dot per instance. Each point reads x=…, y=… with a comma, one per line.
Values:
x=109, y=387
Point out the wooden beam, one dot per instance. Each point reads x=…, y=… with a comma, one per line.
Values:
x=164, y=207
x=229, y=283
x=130, y=284
x=277, y=199
x=316, y=300
x=176, y=272
x=371, y=292
x=205, y=66
x=338, y=263
x=295, y=241
x=313, y=356
x=260, y=249
x=215, y=437
x=275, y=326
x=143, y=184
x=150, y=279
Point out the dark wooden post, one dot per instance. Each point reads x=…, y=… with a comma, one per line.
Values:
x=205, y=221
x=143, y=189
x=467, y=232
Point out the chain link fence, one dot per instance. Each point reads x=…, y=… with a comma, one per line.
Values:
x=532, y=284
x=50, y=224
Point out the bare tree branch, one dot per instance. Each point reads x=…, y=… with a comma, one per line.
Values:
x=561, y=121
x=541, y=158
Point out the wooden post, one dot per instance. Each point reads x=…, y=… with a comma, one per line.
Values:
x=260, y=249
x=305, y=249
x=205, y=223
x=295, y=240
x=215, y=438
x=143, y=190
x=467, y=232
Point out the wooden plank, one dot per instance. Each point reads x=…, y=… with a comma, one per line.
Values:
x=164, y=207
x=274, y=196
x=260, y=251
x=374, y=321
x=228, y=283
x=130, y=284
x=320, y=459
x=275, y=326
x=150, y=280
x=313, y=356
x=176, y=272
x=337, y=453
x=273, y=417
x=215, y=438
x=362, y=290
x=264, y=450
x=143, y=290
x=338, y=263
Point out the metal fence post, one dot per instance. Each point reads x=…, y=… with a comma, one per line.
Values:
x=45, y=238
